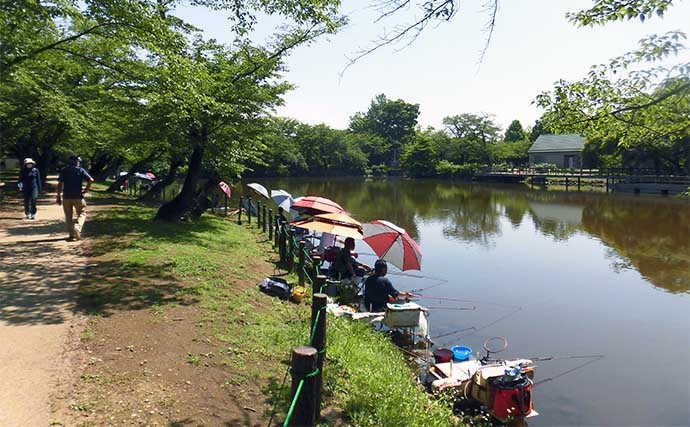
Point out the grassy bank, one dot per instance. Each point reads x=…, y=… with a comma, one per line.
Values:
x=215, y=266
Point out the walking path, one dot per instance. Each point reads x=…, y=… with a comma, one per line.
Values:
x=39, y=274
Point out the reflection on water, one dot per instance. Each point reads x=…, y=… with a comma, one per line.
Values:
x=650, y=235
x=555, y=273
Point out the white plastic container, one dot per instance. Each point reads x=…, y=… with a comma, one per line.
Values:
x=402, y=315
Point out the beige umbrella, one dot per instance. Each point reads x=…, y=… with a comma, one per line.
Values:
x=334, y=223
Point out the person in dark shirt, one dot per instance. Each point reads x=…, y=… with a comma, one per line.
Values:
x=378, y=290
x=71, y=195
x=345, y=266
x=30, y=180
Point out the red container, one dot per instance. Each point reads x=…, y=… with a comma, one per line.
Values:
x=442, y=355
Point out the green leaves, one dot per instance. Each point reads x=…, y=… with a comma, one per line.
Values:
x=605, y=11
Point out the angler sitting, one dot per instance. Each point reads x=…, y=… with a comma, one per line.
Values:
x=378, y=290
x=344, y=266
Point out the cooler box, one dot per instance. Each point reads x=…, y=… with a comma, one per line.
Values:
x=403, y=315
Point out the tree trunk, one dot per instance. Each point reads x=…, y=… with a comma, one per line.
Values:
x=158, y=188
x=98, y=163
x=110, y=170
x=183, y=203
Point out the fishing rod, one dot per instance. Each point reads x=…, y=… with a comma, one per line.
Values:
x=569, y=371
x=495, y=304
x=452, y=308
x=475, y=329
x=440, y=280
x=580, y=356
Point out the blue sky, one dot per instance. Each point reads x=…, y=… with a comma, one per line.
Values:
x=533, y=45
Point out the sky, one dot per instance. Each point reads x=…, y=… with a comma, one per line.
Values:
x=533, y=45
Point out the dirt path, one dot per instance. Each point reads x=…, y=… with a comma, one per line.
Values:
x=39, y=327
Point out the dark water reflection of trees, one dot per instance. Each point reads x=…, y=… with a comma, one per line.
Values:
x=649, y=234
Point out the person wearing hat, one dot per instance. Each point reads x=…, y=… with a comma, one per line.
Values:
x=378, y=290
x=30, y=186
x=71, y=195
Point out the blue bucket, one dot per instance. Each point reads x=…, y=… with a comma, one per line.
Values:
x=461, y=353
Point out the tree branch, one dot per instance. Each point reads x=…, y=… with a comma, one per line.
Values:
x=19, y=59
x=444, y=10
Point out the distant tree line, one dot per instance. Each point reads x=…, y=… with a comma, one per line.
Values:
x=386, y=139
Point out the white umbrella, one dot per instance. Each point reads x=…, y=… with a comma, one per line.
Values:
x=283, y=199
x=142, y=176
x=260, y=189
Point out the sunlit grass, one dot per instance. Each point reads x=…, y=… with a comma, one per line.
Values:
x=218, y=265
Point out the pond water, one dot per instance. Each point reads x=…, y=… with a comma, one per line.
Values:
x=555, y=273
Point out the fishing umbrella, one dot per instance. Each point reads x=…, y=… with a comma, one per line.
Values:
x=151, y=175
x=142, y=176
x=283, y=199
x=260, y=189
x=334, y=223
x=393, y=244
x=312, y=205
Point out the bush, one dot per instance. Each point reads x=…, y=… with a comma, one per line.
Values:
x=448, y=169
x=545, y=167
x=379, y=170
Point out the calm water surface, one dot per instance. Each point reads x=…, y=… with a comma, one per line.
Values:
x=556, y=274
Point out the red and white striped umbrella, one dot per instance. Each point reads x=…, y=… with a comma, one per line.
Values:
x=393, y=244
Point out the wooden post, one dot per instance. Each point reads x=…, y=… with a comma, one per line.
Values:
x=607, y=184
x=282, y=240
x=290, y=250
x=263, y=220
x=276, y=235
x=258, y=214
x=316, y=264
x=249, y=210
x=270, y=226
x=300, y=266
x=239, y=213
x=318, y=321
x=578, y=183
x=304, y=362
x=226, y=203
x=320, y=284
x=566, y=183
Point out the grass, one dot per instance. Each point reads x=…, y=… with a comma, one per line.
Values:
x=216, y=265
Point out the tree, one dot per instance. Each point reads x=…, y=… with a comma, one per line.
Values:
x=419, y=159
x=645, y=110
x=514, y=132
x=330, y=151
x=475, y=131
x=393, y=121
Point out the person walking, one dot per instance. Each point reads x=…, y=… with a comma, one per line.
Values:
x=71, y=195
x=30, y=186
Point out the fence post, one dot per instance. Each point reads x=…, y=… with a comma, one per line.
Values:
x=318, y=322
x=319, y=284
x=302, y=411
x=249, y=210
x=276, y=235
x=226, y=204
x=270, y=227
x=316, y=264
x=258, y=214
x=239, y=213
x=263, y=220
x=282, y=240
x=291, y=251
x=300, y=266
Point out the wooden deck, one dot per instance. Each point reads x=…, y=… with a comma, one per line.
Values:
x=628, y=183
